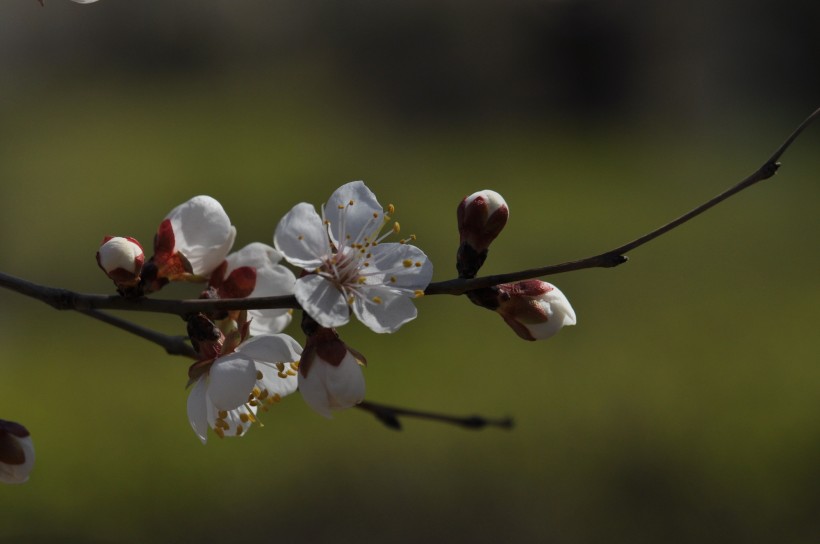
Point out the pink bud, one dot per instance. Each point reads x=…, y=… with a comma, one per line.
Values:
x=481, y=217
x=535, y=309
x=121, y=258
x=16, y=453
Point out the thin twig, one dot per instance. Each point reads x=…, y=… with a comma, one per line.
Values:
x=615, y=257
x=173, y=345
x=389, y=415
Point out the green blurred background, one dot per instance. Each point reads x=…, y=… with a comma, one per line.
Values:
x=684, y=406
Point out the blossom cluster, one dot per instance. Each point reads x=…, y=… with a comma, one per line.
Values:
x=245, y=363
x=337, y=263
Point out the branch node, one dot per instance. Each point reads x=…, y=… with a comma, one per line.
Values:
x=63, y=299
x=769, y=169
x=614, y=259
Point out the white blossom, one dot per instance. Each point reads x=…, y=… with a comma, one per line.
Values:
x=193, y=239
x=350, y=265
x=229, y=394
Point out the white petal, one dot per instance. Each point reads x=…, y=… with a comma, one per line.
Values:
x=401, y=265
x=202, y=232
x=269, y=321
x=197, y=409
x=236, y=427
x=388, y=314
x=322, y=300
x=360, y=220
x=301, y=237
x=256, y=255
x=273, y=281
x=272, y=348
x=328, y=387
x=231, y=381
x=276, y=382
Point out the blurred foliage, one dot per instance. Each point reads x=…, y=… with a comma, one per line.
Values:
x=683, y=407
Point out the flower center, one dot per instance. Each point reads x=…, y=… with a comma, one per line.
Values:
x=342, y=267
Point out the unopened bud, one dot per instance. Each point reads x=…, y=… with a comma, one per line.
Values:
x=535, y=309
x=481, y=217
x=16, y=453
x=121, y=258
x=330, y=374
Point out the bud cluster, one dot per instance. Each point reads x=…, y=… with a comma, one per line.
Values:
x=534, y=309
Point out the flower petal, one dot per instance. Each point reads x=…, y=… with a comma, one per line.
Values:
x=400, y=265
x=322, y=300
x=271, y=279
x=272, y=348
x=276, y=380
x=203, y=232
x=353, y=211
x=231, y=381
x=198, y=410
x=255, y=254
x=301, y=237
x=382, y=310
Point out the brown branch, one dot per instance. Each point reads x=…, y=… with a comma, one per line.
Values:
x=64, y=299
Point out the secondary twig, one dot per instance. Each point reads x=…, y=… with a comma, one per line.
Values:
x=389, y=415
x=173, y=345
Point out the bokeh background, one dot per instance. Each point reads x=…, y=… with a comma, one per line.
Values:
x=684, y=406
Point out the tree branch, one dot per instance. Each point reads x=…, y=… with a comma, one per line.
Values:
x=63, y=299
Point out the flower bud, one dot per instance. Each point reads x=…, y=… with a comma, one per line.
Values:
x=121, y=258
x=330, y=374
x=481, y=217
x=535, y=309
x=16, y=453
